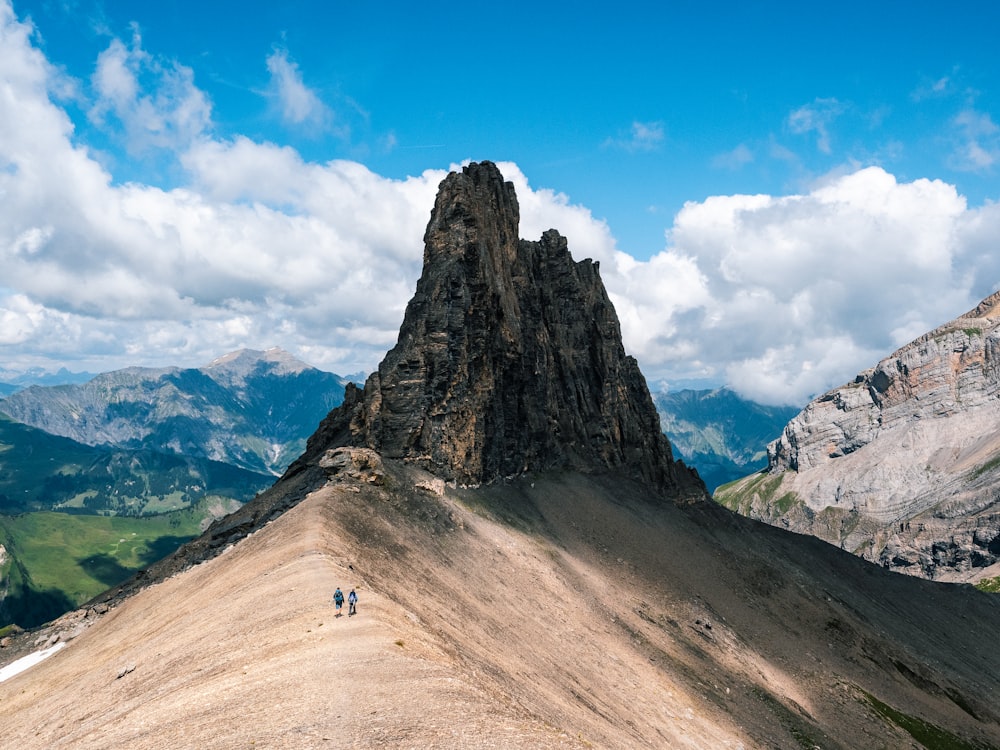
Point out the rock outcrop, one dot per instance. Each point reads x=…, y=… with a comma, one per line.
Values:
x=902, y=465
x=353, y=465
x=509, y=359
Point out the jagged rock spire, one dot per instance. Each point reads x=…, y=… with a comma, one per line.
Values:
x=509, y=358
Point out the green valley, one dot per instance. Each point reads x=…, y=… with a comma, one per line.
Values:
x=54, y=562
x=76, y=519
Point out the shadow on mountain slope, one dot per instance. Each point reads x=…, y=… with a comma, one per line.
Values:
x=34, y=607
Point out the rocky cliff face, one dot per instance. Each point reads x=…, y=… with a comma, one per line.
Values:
x=509, y=359
x=902, y=465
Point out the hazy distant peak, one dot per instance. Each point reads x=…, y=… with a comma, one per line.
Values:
x=242, y=362
x=131, y=374
x=252, y=409
x=16, y=380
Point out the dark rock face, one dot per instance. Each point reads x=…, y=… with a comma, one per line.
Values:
x=509, y=358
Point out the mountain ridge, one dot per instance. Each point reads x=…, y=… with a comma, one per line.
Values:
x=555, y=610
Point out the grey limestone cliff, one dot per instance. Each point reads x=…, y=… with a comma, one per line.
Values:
x=509, y=359
x=902, y=465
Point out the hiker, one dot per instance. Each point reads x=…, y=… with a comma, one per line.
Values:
x=352, y=599
x=338, y=599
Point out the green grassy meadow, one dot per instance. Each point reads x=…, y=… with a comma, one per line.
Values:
x=77, y=519
x=57, y=561
x=40, y=472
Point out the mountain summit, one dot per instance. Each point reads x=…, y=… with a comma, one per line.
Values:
x=509, y=359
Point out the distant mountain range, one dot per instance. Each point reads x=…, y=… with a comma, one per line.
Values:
x=250, y=409
x=12, y=382
x=721, y=434
x=229, y=411
x=155, y=453
x=142, y=442
x=39, y=471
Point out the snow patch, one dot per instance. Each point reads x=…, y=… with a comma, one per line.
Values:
x=26, y=662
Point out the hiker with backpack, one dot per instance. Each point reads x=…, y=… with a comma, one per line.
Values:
x=352, y=600
x=338, y=599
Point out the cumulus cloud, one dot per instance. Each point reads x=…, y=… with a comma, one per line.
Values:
x=260, y=247
x=785, y=297
x=154, y=104
x=545, y=209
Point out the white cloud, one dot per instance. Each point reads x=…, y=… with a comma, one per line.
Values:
x=642, y=136
x=545, y=209
x=976, y=235
x=787, y=296
x=784, y=296
x=20, y=319
x=260, y=248
x=299, y=105
x=816, y=117
x=155, y=104
x=977, y=141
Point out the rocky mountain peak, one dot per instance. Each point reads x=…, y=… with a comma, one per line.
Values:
x=238, y=365
x=509, y=358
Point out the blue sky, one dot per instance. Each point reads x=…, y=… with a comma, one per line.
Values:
x=780, y=193
x=630, y=112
